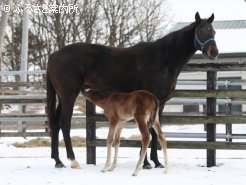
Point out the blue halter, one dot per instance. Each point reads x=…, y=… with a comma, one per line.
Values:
x=201, y=45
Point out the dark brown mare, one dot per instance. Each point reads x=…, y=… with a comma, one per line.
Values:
x=119, y=107
x=152, y=66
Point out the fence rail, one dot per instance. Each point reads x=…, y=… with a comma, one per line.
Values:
x=178, y=144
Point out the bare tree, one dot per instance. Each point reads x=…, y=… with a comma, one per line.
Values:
x=11, y=51
x=130, y=21
x=3, y=26
x=152, y=18
x=118, y=21
x=90, y=20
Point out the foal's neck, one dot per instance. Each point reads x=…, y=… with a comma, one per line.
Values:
x=98, y=97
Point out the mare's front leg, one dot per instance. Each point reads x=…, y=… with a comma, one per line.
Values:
x=110, y=139
x=153, y=153
x=154, y=142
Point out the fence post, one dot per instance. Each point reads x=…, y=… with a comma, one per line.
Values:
x=228, y=109
x=211, y=111
x=90, y=133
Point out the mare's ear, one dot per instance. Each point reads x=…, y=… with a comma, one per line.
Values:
x=211, y=18
x=197, y=17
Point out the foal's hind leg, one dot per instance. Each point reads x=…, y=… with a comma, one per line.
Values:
x=163, y=143
x=145, y=143
x=66, y=116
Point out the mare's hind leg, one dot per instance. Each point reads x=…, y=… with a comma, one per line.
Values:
x=66, y=116
x=55, y=128
x=163, y=142
x=145, y=143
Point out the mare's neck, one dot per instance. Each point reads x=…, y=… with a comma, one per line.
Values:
x=178, y=48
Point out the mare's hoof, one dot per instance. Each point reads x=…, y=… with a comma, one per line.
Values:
x=160, y=166
x=60, y=165
x=148, y=167
x=75, y=164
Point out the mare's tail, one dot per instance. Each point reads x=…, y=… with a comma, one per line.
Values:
x=51, y=101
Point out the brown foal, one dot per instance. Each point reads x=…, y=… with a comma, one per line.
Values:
x=139, y=105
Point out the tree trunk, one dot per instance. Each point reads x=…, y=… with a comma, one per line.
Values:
x=3, y=26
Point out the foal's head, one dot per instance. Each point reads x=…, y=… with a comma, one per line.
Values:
x=204, y=37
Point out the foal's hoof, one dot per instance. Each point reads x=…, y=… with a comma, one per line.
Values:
x=112, y=168
x=104, y=170
x=60, y=165
x=148, y=167
x=160, y=166
x=135, y=173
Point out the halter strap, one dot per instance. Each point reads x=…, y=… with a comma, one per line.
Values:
x=201, y=45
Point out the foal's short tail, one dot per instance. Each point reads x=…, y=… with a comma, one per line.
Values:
x=154, y=113
x=51, y=100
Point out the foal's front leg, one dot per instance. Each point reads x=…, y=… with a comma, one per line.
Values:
x=116, y=146
x=110, y=138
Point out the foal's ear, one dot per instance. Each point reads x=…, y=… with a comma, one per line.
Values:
x=211, y=18
x=197, y=17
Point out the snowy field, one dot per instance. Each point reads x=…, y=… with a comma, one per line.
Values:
x=24, y=166
x=34, y=166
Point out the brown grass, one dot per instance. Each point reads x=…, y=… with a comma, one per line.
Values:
x=76, y=141
x=135, y=137
x=42, y=142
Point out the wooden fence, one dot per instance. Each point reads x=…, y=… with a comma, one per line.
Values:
x=210, y=119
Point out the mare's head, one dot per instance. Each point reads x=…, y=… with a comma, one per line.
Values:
x=204, y=39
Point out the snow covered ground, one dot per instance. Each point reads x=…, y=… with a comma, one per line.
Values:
x=24, y=166
x=34, y=166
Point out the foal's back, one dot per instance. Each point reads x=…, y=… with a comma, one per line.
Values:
x=128, y=105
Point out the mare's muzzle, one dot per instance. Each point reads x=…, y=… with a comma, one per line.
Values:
x=208, y=48
x=211, y=50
